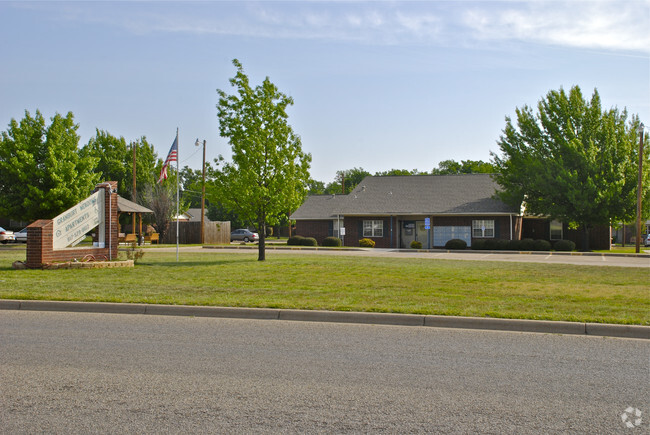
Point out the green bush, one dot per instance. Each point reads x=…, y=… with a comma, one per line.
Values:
x=308, y=241
x=564, y=245
x=367, y=243
x=527, y=245
x=541, y=245
x=416, y=245
x=456, y=244
x=514, y=245
x=294, y=240
x=478, y=244
x=332, y=241
x=503, y=244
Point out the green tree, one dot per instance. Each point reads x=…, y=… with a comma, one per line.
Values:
x=449, y=167
x=42, y=172
x=316, y=187
x=115, y=162
x=349, y=178
x=572, y=161
x=269, y=173
x=394, y=172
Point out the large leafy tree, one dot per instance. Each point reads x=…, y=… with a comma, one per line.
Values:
x=572, y=161
x=269, y=173
x=115, y=162
x=346, y=180
x=42, y=172
x=448, y=167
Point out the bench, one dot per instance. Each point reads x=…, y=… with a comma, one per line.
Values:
x=128, y=239
x=153, y=237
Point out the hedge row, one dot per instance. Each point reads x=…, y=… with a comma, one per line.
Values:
x=522, y=245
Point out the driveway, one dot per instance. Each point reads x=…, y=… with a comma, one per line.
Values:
x=582, y=259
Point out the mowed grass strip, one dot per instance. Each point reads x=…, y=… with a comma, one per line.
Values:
x=345, y=283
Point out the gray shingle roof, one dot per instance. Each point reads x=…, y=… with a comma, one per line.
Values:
x=411, y=195
x=318, y=207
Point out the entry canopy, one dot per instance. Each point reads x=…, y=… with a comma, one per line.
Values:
x=126, y=206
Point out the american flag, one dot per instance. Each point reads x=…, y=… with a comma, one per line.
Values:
x=171, y=157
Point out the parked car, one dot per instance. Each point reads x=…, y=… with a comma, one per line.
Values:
x=21, y=236
x=244, y=235
x=647, y=240
x=6, y=236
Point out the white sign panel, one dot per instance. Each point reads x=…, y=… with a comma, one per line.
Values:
x=71, y=226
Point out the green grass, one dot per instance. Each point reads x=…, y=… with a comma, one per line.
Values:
x=421, y=286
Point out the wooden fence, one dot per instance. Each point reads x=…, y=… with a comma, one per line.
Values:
x=190, y=232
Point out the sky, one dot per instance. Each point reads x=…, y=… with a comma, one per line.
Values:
x=377, y=85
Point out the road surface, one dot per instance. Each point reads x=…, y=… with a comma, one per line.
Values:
x=111, y=373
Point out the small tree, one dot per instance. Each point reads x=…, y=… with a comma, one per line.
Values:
x=269, y=173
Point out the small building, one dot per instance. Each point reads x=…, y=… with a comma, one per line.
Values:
x=432, y=209
x=394, y=211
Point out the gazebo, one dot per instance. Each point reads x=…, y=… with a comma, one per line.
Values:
x=136, y=210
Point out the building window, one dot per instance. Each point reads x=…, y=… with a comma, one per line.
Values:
x=556, y=230
x=373, y=228
x=483, y=228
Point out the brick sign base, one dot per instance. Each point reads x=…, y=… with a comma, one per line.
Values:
x=40, y=251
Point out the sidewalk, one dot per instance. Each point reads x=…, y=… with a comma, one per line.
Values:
x=483, y=323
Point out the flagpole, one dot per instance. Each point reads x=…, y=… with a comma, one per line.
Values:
x=177, y=203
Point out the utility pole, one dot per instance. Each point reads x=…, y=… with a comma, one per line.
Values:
x=202, y=195
x=638, y=192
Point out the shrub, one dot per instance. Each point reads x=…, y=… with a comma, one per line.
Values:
x=564, y=245
x=332, y=241
x=526, y=245
x=503, y=244
x=416, y=245
x=478, y=244
x=456, y=244
x=308, y=241
x=294, y=240
x=514, y=245
x=367, y=243
x=541, y=245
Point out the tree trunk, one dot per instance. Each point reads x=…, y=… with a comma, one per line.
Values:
x=261, y=247
x=585, y=238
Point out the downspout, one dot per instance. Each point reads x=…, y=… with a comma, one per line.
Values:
x=391, y=232
x=510, y=215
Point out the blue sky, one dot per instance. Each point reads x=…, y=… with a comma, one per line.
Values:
x=377, y=85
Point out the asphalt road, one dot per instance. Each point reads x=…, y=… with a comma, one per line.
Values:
x=110, y=373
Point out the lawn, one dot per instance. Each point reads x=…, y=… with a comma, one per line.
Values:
x=421, y=286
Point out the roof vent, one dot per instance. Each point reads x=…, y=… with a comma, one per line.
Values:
x=363, y=188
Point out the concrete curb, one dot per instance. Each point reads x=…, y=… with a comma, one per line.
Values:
x=483, y=323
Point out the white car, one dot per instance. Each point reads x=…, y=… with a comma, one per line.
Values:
x=6, y=236
x=647, y=240
x=21, y=236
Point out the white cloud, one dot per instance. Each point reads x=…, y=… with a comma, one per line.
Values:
x=610, y=25
x=592, y=24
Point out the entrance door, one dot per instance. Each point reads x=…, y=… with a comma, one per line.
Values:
x=413, y=230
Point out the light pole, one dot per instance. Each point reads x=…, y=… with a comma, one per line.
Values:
x=638, y=192
x=197, y=143
x=134, y=200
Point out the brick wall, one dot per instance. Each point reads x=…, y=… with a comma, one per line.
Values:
x=40, y=240
x=316, y=229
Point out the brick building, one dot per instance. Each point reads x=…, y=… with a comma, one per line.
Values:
x=432, y=209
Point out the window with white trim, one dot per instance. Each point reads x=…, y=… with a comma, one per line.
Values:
x=556, y=230
x=373, y=228
x=483, y=228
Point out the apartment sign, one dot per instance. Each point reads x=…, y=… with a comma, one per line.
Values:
x=71, y=226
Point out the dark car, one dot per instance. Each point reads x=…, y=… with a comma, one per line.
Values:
x=244, y=235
